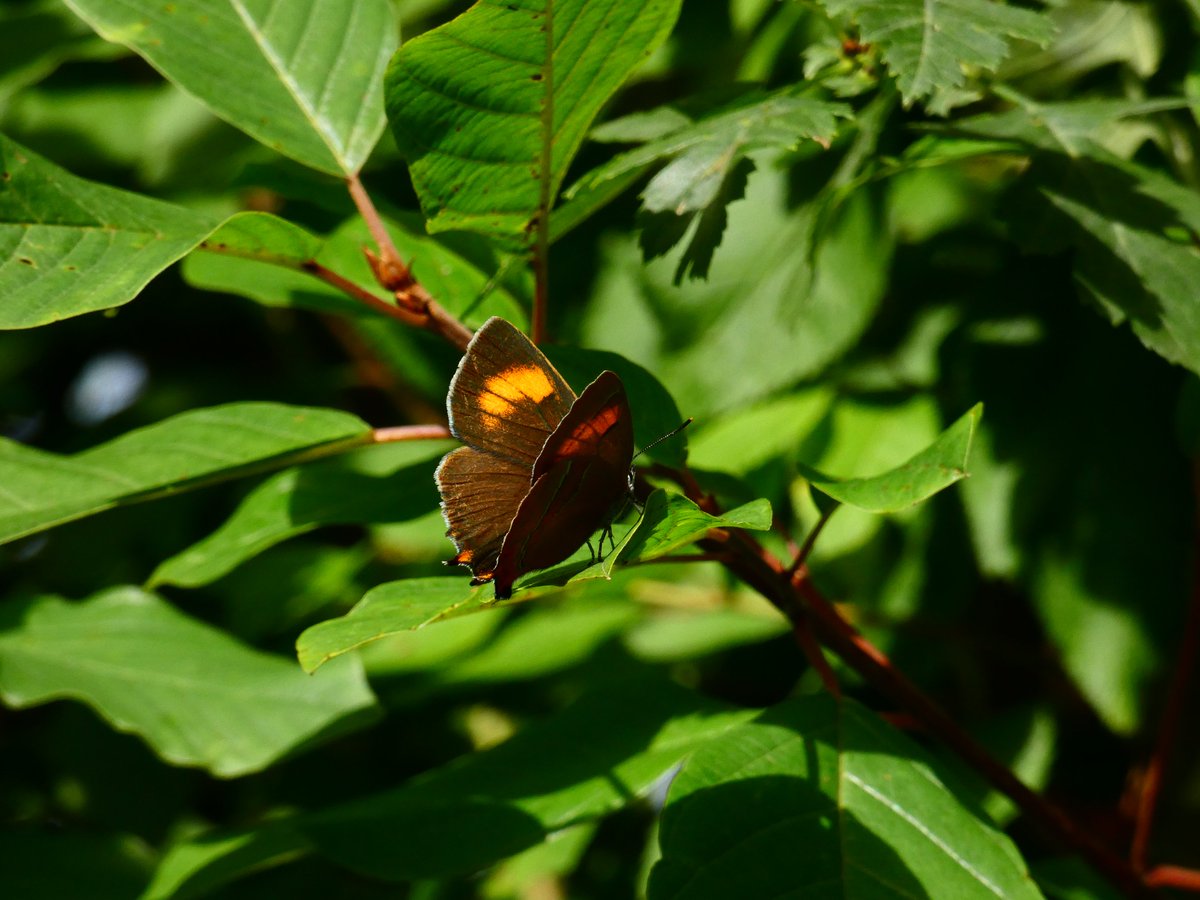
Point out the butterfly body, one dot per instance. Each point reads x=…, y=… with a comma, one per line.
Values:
x=542, y=469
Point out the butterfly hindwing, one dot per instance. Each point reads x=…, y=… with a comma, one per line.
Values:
x=598, y=425
x=480, y=496
x=580, y=478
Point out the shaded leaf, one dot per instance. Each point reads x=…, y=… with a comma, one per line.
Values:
x=873, y=818
x=194, y=866
x=776, y=308
x=933, y=469
x=335, y=492
x=596, y=757
x=35, y=38
x=707, y=164
x=70, y=246
x=927, y=43
x=316, y=67
x=189, y=450
x=1133, y=229
x=490, y=108
x=197, y=696
x=43, y=864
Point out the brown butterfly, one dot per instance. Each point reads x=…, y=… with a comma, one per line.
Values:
x=542, y=469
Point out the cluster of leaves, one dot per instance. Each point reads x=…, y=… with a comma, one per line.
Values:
x=827, y=230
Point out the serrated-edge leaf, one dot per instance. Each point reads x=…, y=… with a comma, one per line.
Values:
x=490, y=108
x=926, y=43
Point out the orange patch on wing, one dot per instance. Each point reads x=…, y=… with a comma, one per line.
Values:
x=513, y=385
x=464, y=557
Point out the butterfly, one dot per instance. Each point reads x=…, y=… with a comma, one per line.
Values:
x=543, y=469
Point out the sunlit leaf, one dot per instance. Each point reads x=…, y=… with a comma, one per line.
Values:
x=927, y=43
x=391, y=608
x=187, y=451
x=490, y=108
x=303, y=77
x=933, y=469
x=295, y=501
x=70, y=246
x=860, y=799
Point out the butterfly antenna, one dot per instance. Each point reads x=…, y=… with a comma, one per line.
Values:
x=670, y=434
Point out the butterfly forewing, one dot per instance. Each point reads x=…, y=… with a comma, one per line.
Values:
x=506, y=398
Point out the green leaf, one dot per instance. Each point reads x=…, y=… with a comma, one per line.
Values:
x=191, y=692
x=70, y=246
x=387, y=609
x=304, y=78
x=927, y=43
x=373, y=486
x=263, y=258
x=860, y=799
x=44, y=864
x=590, y=760
x=776, y=308
x=195, y=866
x=705, y=156
x=264, y=238
x=547, y=638
x=490, y=108
x=670, y=521
x=186, y=451
x=778, y=427
x=1129, y=225
x=934, y=469
x=35, y=38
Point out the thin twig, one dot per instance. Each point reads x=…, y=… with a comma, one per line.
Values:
x=806, y=548
x=409, y=433
x=348, y=287
x=420, y=309
x=803, y=632
x=1177, y=693
x=388, y=254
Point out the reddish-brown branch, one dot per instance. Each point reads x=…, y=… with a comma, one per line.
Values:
x=803, y=632
x=388, y=255
x=793, y=593
x=418, y=307
x=409, y=433
x=1177, y=694
x=1173, y=877
x=801, y=556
